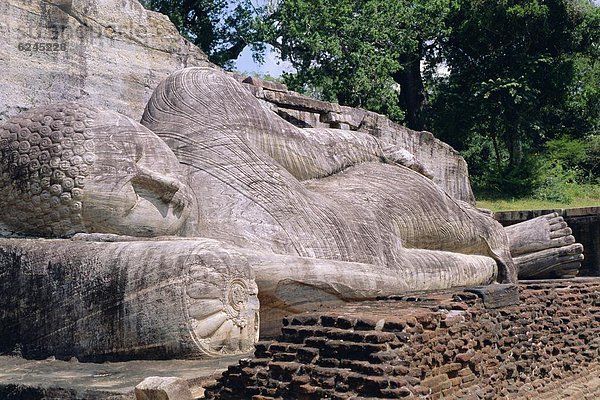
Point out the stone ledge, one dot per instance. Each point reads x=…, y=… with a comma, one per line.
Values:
x=22, y=379
x=513, y=217
x=297, y=101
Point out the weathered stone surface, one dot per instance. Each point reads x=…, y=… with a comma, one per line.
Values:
x=320, y=200
x=110, y=54
x=58, y=158
x=447, y=167
x=318, y=194
x=540, y=233
x=117, y=53
x=163, y=388
x=299, y=102
x=302, y=119
x=497, y=296
x=551, y=263
x=544, y=247
x=306, y=283
x=320, y=216
x=275, y=86
x=22, y=379
x=121, y=300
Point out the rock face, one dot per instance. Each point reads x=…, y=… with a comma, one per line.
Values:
x=238, y=196
x=316, y=214
x=211, y=162
x=109, y=53
x=270, y=186
x=112, y=54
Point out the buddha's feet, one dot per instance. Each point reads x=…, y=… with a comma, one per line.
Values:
x=544, y=247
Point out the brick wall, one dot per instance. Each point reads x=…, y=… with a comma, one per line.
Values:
x=441, y=345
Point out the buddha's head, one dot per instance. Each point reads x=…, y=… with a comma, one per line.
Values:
x=66, y=168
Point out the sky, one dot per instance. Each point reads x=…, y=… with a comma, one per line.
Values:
x=272, y=65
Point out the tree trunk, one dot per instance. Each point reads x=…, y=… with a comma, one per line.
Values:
x=412, y=93
x=515, y=150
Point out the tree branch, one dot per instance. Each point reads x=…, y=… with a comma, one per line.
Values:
x=230, y=53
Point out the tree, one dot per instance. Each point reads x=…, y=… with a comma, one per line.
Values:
x=221, y=28
x=511, y=67
x=364, y=53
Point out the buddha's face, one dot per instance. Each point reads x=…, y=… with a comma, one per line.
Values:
x=134, y=186
x=67, y=169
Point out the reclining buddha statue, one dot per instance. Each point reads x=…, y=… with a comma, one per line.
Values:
x=156, y=239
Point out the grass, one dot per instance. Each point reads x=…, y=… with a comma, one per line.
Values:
x=582, y=196
x=533, y=204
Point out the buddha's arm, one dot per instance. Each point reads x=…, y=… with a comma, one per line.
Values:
x=318, y=152
x=205, y=102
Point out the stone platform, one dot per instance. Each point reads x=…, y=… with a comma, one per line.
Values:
x=54, y=379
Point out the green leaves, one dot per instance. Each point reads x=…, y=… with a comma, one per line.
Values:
x=352, y=51
x=514, y=68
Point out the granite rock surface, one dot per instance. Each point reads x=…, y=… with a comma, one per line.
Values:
x=110, y=54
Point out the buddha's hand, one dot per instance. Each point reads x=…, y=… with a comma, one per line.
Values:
x=169, y=189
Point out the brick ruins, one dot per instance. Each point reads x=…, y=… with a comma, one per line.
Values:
x=433, y=345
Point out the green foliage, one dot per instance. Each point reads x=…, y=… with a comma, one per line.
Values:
x=491, y=179
x=567, y=166
x=587, y=196
x=582, y=111
x=353, y=51
x=558, y=183
x=513, y=84
x=580, y=156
